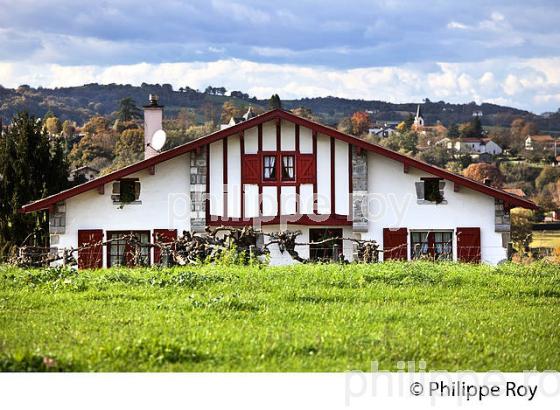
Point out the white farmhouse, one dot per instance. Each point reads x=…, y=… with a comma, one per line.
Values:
x=278, y=171
x=473, y=146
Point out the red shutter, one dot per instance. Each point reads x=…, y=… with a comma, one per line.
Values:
x=394, y=244
x=468, y=245
x=251, y=169
x=305, y=170
x=91, y=256
x=162, y=236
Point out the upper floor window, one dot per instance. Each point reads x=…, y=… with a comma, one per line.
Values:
x=288, y=168
x=269, y=168
x=126, y=191
x=430, y=191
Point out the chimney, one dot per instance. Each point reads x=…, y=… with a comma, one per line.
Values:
x=153, y=121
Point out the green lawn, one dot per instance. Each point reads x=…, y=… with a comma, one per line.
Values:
x=304, y=318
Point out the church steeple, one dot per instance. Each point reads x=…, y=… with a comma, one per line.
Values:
x=418, y=119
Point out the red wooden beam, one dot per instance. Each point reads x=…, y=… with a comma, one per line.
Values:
x=406, y=168
x=242, y=152
x=225, y=175
x=314, y=136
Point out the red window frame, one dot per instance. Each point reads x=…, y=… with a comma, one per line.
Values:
x=278, y=177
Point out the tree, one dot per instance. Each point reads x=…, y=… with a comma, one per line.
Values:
x=53, y=125
x=472, y=129
x=32, y=167
x=548, y=174
x=453, y=131
x=275, y=103
x=95, y=125
x=345, y=125
x=229, y=110
x=409, y=122
x=128, y=149
x=436, y=155
x=482, y=172
x=521, y=228
x=360, y=123
x=68, y=129
x=128, y=110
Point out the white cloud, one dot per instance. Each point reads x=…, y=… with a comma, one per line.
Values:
x=532, y=84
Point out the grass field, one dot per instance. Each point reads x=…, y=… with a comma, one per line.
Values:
x=303, y=318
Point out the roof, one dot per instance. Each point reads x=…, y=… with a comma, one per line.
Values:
x=278, y=114
x=541, y=138
x=479, y=140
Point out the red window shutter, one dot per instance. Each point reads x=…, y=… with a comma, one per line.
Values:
x=91, y=256
x=162, y=236
x=394, y=244
x=251, y=169
x=305, y=169
x=468, y=245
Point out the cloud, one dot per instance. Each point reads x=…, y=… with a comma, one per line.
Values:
x=533, y=84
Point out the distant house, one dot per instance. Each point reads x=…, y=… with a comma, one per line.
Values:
x=236, y=120
x=477, y=113
x=473, y=145
x=83, y=174
x=548, y=142
x=383, y=130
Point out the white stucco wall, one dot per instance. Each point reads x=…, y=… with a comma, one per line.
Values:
x=393, y=205
x=91, y=210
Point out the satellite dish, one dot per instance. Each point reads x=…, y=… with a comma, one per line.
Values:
x=158, y=140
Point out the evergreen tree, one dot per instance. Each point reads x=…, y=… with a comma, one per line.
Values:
x=128, y=110
x=31, y=167
x=453, y=131
x=275, y=103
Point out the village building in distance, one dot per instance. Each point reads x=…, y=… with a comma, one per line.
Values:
x=278, y=171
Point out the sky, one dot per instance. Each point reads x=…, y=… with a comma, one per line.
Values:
x=503, y=52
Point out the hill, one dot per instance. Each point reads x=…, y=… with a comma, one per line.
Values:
x=80, y=103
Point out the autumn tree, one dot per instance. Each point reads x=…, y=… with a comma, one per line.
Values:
x=472, y=129
x=53, y=125
x=128, y=149
x=360, y=123
x=548, y=174
x=453, y=131
x=229, y=110
x=483, y=172
x=68, y=129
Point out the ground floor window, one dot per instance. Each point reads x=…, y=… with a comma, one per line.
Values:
x=319, y=250
x=128, y=248
x=435, y=245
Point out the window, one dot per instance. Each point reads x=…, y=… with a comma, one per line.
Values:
x=126, y=191
x=288, y=169
x=430, y=191
x=432, y=245
x=325, y=251
x=128, y=248
x=269, y=168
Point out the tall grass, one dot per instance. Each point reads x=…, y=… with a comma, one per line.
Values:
x=302, y=318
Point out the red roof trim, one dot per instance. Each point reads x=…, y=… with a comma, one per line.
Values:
x=268, y=116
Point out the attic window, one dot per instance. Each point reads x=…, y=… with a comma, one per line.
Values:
x=126, y=191
x=430, y=191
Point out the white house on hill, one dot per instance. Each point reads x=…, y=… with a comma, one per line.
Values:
x=278, y=171
x=473, y=145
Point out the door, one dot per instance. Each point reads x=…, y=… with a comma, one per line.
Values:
x=90, y=248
